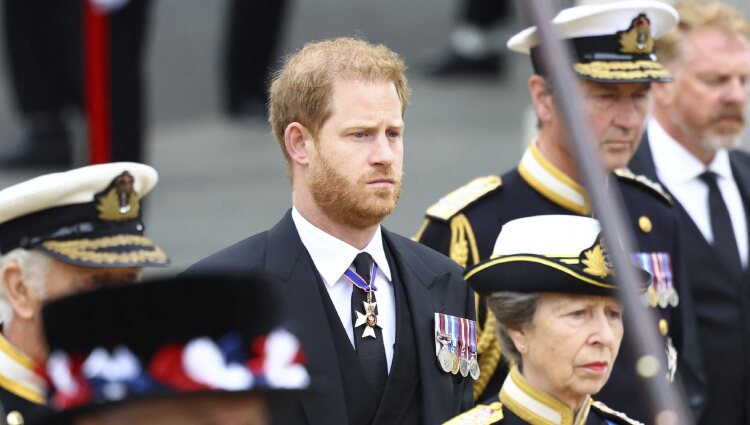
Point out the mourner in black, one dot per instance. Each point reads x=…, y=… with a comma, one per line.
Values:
x=465, y=223
x=60, y=234
x=195, y=351
x=689, y=147
x=550, y=285
x=365, y=302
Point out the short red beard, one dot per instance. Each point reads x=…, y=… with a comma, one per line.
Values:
x=352, y=203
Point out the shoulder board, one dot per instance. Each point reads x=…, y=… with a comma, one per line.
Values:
x=614, y=414
x=462, y=197
x=626, y=174
x=482, y=414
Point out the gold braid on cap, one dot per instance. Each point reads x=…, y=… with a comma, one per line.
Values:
x=88, y=249
x=621, y=70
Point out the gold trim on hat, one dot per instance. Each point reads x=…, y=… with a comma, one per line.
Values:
x=542, y=261
x=622, y=70
x=86, y=249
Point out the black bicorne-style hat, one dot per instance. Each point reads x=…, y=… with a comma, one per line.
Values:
x=549, y=253
x=169, y=338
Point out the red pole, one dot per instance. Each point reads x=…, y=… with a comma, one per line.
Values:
x=96, y=83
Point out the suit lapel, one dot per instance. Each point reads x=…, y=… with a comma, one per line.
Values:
x=742, y=177
x=417, y=280
x=287, y=259
x=643, y=161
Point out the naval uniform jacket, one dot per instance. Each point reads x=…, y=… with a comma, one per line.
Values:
x=429, y=283
x=22, y=390
x=520, y=403
x=466, y=223
x=721, y=303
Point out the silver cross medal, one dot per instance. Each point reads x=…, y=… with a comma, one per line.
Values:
x=369, y=318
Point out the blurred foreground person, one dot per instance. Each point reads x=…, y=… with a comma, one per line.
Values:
x=60, y=234
x=551, y=288
x=204, y=351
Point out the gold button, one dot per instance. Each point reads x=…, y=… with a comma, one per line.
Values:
x=663, y=327
x=14, y=418
x=645, y=224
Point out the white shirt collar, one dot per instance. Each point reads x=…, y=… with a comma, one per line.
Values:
x=333, y=256
x=676, y=165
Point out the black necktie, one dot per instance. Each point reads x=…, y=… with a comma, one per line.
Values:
x=371, y=351
x=721, y=224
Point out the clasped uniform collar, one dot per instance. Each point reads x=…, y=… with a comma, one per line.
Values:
x=18, y=374
x=552, y=183
x=333, y=256
x=536, y=407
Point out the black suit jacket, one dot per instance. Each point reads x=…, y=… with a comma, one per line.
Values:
x=722, y=308
x=432, y=283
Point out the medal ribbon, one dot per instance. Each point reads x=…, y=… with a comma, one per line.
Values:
x=454, y=333
x=462, y=341
x=472, y=339
x=658, y=269
x=643, y=259
x=359, y=282
x=445, y=328
x=666, y=266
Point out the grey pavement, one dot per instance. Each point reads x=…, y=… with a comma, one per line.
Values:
x=221, y=181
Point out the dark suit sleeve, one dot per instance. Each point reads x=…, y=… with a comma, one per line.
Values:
x=690, y=372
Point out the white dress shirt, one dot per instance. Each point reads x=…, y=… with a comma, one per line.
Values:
x=332, y=257
x=680, y=172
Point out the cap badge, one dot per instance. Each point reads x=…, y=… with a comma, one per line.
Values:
x=119, y=201
x=597, y=261
x=637, y=39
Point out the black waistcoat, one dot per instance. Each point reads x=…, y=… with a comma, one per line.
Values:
x=400, y=403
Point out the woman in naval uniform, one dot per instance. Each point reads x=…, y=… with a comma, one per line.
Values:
x=560, y=323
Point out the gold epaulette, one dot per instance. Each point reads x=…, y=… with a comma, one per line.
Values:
x=625, y=174
x=460, y=198
x=598, y=405
x=480, y=415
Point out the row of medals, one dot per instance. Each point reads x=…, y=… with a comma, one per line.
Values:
x=451, y=362
x=663, y=296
